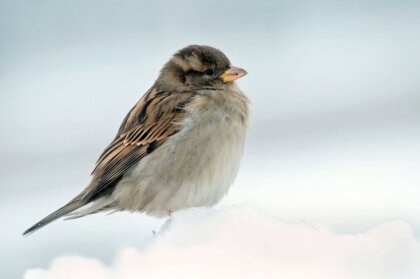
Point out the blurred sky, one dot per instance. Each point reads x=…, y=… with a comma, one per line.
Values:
x=335, y=130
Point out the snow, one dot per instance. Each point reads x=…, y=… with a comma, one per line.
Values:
x=333, y=150
x=245, y=242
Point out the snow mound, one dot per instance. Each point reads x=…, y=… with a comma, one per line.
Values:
x=243, y=242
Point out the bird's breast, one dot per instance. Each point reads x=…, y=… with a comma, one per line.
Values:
x=196, y=166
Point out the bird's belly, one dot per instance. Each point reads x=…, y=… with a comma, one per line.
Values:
x=193, y=168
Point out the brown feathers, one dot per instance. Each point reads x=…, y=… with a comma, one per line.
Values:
x=155, y=118
x=195, y=85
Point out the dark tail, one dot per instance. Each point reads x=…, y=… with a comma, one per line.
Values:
x=71, y=206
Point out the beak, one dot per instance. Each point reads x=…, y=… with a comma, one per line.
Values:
x=233, y=73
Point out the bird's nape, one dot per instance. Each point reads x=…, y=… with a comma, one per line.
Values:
x=179, y=146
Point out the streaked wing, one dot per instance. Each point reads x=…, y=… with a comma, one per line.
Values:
x=154, y=119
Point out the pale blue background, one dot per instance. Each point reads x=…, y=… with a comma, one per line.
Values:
x=335, y=131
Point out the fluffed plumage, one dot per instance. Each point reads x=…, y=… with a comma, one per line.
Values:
x=178, y=147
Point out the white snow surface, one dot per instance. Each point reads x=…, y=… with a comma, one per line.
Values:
x=245, y=242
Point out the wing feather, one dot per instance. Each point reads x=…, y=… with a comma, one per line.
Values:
x=154, y=119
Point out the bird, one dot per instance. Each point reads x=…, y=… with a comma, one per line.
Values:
x=180, y=146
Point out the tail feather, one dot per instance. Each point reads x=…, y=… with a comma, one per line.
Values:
x=71, y=206
x=100, y=205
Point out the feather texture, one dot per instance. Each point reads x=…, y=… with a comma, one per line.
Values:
x=155, y=118
x=178, y=147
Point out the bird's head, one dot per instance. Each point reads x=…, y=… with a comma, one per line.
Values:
x=198, y=67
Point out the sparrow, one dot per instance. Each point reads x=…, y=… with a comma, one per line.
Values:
x=180, y=146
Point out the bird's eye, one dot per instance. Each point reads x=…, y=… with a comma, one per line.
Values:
x=209, y=72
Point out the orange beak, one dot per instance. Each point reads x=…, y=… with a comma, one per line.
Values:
x=233, y=73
